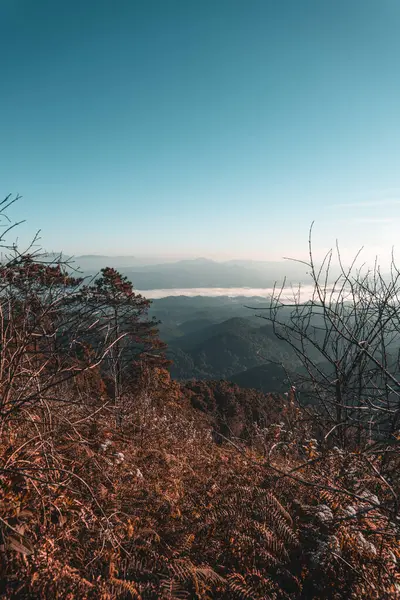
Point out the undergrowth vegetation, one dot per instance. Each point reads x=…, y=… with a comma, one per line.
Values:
x=157, y=509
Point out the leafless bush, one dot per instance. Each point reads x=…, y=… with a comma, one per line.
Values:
x=347, y=337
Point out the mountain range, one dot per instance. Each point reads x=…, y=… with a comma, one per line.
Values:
x=197, y=273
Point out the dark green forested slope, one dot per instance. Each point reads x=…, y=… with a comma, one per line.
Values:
x=226, y=349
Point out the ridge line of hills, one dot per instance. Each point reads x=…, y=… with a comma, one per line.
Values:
x=194, y=273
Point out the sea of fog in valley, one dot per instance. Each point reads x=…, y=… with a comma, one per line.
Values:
x=302, y=293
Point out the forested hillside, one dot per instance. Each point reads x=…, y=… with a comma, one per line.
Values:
x=226, y=349
x=227, y=338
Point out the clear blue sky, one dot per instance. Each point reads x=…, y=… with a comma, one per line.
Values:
x=202, y=127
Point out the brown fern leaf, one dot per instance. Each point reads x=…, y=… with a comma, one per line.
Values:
x=273, y=502
x=261, y=585
x=126, y=586
x=185, y=571
x=330, y=499
x=182, y=570
x=146, y=561
x=282, y=529
x=209, y=576
x=183, y=545
x=267, y=559
x=238, y=587
x=255, y=586
x=172, y=589
x=272, y=543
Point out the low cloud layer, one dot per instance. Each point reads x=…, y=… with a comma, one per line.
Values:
x=287, y=295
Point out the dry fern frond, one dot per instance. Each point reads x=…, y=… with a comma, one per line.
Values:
x=126, y=586
x=272, y=543
x=173, y=590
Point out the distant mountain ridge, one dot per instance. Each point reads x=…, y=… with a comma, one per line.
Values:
x=210, y=274
x=150, y=273
x=155, y=273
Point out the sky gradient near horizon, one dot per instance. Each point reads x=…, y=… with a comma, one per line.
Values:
x=217, y=128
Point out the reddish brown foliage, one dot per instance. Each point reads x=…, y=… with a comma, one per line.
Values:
x=156, y=509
